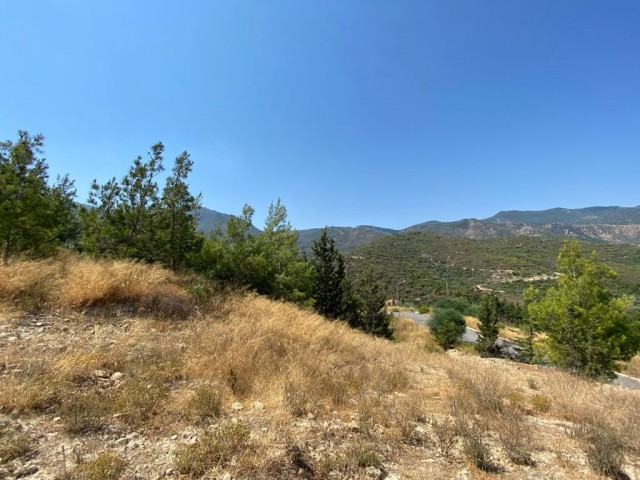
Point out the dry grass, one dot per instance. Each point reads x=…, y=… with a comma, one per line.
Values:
x=333, y=402
x=632, y=367
x=506, y=332
x=406, y=331
x=472, y=322
x=75, y=282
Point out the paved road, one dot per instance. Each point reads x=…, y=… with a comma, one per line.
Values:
x=471, y=336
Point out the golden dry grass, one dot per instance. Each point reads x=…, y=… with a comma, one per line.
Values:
x=75, y=282
x=507, y=332
x=407, y=332
x=632, y=368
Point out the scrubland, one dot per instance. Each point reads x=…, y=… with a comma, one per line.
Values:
x=115, y=369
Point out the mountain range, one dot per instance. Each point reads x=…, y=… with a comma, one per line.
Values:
x=618, y=225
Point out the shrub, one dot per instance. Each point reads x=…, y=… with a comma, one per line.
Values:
x=446, y=433
x=424, y=309
x=516, y=437
x=217, y=447
x=139, y=401
x=476, y=450
x=447, y=327
x=103, y=467
x=604, y=448
x=206, y=402
x=84, y=413
x=346, y=463
x=14, y=444
x=459, y=304
x=541, y=403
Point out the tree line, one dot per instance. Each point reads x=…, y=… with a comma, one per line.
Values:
x=133, y=217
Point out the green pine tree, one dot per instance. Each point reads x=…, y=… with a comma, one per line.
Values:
x=33, y=215
x=178, y=222
x=587, y=328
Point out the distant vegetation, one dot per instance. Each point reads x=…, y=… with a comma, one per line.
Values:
x=431, y=266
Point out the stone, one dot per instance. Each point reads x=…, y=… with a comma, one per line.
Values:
x=26, y=471
x=116, y=376
x=236, y=406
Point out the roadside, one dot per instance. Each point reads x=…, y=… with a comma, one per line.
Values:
x=471, y=336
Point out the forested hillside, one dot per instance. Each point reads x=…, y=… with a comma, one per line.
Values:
x=430, y=264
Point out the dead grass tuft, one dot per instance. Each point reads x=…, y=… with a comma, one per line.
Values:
x=214, y=448
x=14, y=444
x=103, y=467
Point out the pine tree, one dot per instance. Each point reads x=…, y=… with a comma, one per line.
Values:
x=178, y=221
x=131, y=219
x=328, y=284
x=32, y=214
x=587, y=328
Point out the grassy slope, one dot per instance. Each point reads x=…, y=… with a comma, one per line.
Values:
x=428, y=261
x=263, y=389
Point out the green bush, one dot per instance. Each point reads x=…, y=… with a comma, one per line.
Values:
x=462, y=305
x=447, y=327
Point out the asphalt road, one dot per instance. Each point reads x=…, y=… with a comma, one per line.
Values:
x=471, y=336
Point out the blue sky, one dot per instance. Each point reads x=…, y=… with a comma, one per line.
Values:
x=353, y=112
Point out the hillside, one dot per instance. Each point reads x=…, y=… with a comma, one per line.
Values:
x=209, y=220
x=430, y=264
x=114, y=369
x=346, y=238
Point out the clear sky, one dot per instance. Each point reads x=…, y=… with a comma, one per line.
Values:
x=387, y=113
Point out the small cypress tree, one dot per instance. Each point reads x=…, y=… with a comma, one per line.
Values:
x=489, y=326
x=373, y=318
x=328, y=284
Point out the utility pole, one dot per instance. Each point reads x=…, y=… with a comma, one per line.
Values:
x=397, y=294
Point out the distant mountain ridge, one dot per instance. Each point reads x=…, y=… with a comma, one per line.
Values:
x=600, y=224
x=209, y=220
x=578, y=216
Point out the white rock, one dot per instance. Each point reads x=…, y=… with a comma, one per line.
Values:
x=116, y=376
x=237, y=406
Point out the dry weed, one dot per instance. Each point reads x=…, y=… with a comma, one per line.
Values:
x=103, y=467
x=14, y=444
x=214, y=448
x=406, y=331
